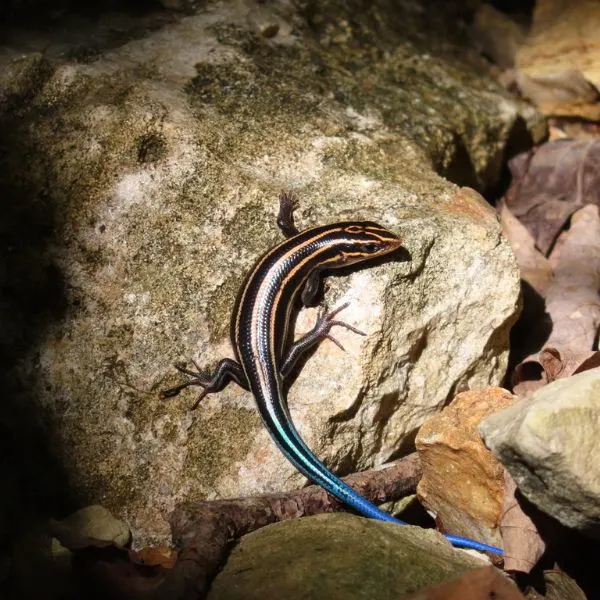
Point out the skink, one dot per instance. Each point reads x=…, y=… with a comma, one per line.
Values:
x=260, y=329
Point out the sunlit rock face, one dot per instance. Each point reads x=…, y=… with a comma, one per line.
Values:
x=144, y=159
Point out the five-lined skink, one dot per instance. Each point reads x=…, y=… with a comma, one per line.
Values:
x=260, y=328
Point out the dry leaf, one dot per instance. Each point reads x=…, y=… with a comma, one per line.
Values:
x=522, y=543
x=550, y=184
x=572, y=300
x=572, y=305
x=535, y=267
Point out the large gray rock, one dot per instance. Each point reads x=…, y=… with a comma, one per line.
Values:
x=338, y=556
x=549, y=443
x=144, y=161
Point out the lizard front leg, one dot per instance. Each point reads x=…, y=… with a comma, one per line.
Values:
x=285, y=219
x=320, y=331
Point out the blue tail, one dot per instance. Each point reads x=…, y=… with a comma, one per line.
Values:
x=297, y=452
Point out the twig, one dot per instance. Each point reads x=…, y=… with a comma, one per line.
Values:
x=204, y=530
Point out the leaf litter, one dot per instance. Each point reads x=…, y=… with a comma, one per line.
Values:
x=550, y=216
x=523, y=545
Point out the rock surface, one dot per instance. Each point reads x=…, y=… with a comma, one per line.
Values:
x=479, y=584
x=144, y=160
x=498, y=36
x=559, y=586
x=558, y=66
x=548, y=442
x=462, y=483
x=337, y=556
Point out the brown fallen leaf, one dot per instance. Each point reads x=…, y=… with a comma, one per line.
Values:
x=535, y=268
x=550, y=184
x=523, y=546
x=572, y=306
x=532, y=329
x=573, y=301
x=479, y=584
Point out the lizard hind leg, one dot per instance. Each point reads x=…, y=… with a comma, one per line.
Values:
x=227, y=371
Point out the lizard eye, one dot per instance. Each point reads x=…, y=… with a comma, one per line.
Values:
x=369, y=247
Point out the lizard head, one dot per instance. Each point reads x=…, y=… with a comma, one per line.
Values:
x=363, y=240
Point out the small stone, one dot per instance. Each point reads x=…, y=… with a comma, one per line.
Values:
x=90, y=526
x=559, y=586
x=263, y=22
x=549, y=444
x=337, y=556
x=269, y=29
x=462, y=482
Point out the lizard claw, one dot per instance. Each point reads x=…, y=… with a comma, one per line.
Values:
x=326, y=320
